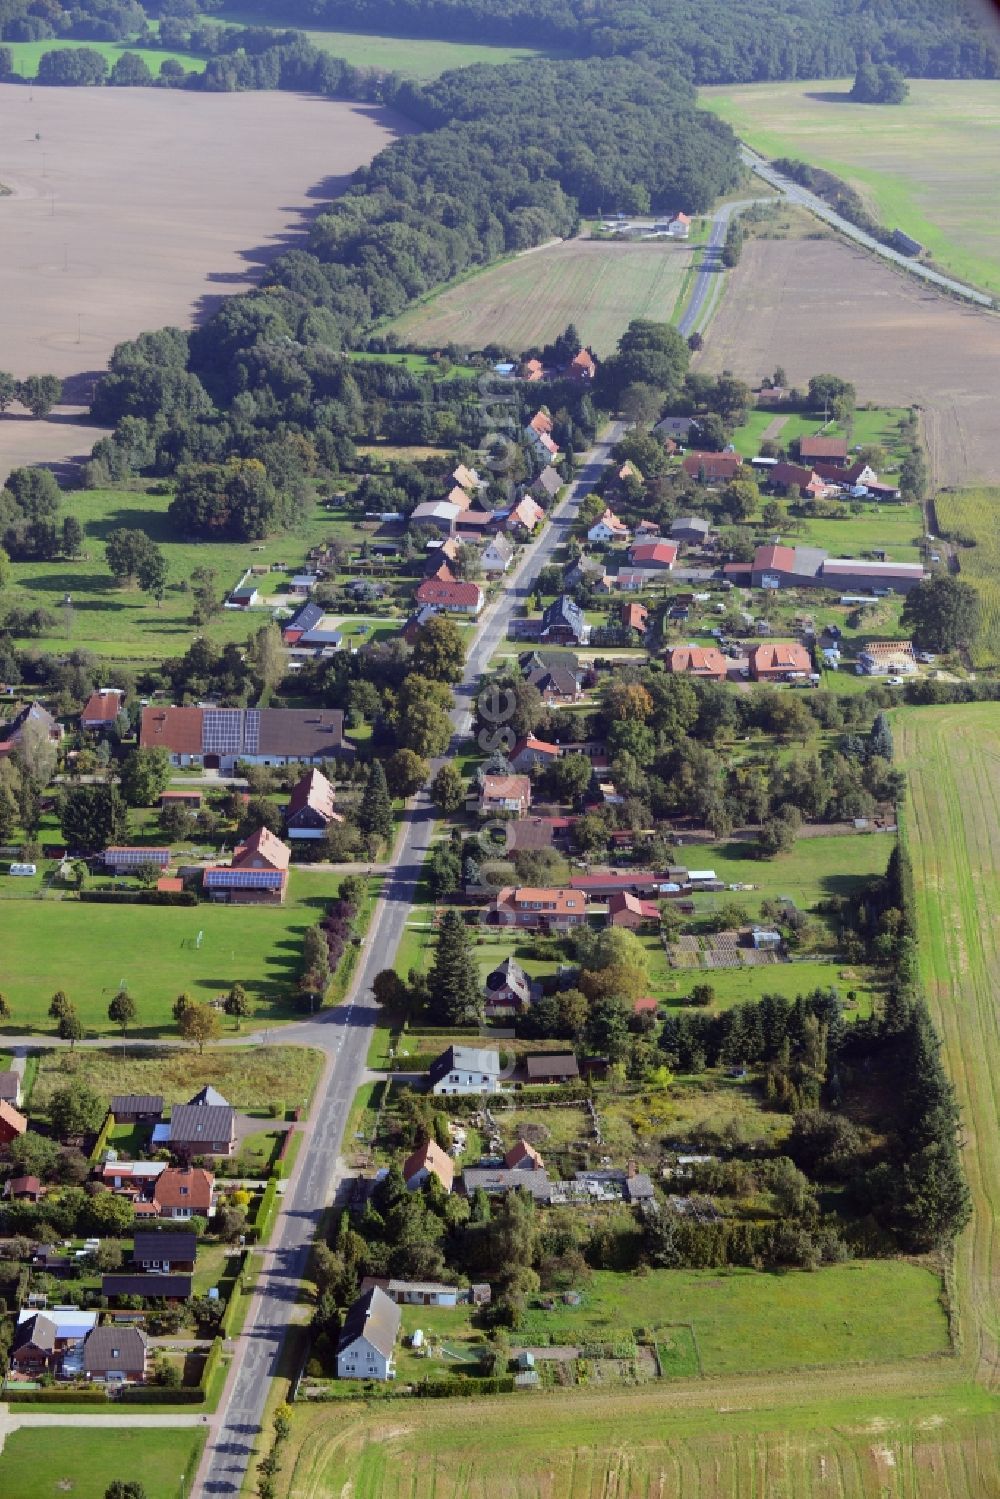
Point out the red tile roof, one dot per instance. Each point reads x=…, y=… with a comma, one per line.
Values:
x=549, y=901
x=449, y=595
x=177, y=729
x=779, y=656
x=663, y=553
x=711, y=465
x=823, y=447
x=315, y=792
x=635, y=616
x=262, y=844
x=170, y=883
x=696, y=661
x=774, y=558
x=184, y=1188
x=541, y=422
x=436, y=1161
x=102, y=707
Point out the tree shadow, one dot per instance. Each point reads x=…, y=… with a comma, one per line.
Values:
x=829, y=96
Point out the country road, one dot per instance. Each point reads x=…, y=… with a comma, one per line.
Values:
x=708, y=281
x=344, y=1035
x=805, y=199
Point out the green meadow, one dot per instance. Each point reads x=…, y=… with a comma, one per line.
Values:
x=927, y=166
x=26, y=55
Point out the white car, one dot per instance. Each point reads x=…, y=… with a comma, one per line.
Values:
x=926, y=658
x=894, y=681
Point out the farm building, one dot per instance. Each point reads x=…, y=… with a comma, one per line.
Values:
x=712, y=468
x=880, y=658
x=552, y=1067
x=690, y=529
x=257, y=874
x=653, y=555
x=217, y=738
x=829, y=449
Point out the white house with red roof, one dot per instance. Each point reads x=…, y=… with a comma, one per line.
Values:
x=609, y=528
x=102, y=708
x=456, y=598
x=529, y=752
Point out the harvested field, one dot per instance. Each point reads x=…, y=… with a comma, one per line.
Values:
x=815, y=305
x=598, y=286
x=125, y=213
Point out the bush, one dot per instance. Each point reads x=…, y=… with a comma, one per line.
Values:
x=141, y=897
x=157, y=1395
x=49, y=1397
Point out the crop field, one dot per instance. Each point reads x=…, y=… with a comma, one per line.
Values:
x=47, y=1463
x=952, y=824
x=97, y=247
x=927, y=166
x=413, y=57
x=128, y=624
x=598, y=286
x=26, y=54
x=821, y=305
x=975, y=513
x=91, y=950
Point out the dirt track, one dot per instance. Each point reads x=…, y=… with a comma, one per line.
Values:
x=818, y=306
x=133, y=208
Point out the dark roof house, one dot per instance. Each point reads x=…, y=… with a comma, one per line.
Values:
x=115, y=1354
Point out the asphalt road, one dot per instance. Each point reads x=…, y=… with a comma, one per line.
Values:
x=344, y=1035
x=710, y=267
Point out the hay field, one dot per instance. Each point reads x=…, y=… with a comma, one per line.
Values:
x=976, y=513
x=927, y=166
x=825, y=306
x=596, y=285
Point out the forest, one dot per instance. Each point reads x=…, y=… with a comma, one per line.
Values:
x=708, y=41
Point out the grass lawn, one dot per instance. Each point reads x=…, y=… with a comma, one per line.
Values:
x=91, y=950
x=27, y=54
x=951, y=823
x=813, y=869
x=48, y=1463
x=528, y=300
x=126, y=623
x=419, y=364
x=926, y=166
x=414, y=57
x=249, y=1077
x=973, y=513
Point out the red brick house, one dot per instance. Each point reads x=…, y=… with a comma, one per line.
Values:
x=712, y=468
x=696, y=661
x=536, y=907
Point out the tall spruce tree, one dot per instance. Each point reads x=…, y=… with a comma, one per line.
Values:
x=880, y=738
x=375, y=812
x=456, y=995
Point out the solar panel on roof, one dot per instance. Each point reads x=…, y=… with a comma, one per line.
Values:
x=243, y=879
x=222, y=731
x=251, y=731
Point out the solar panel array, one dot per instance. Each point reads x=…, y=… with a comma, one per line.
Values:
x=222, y=731
x=251, y=731
x=137, y=856
x=243, y=879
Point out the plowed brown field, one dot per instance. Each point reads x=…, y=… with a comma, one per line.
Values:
x=820, y=306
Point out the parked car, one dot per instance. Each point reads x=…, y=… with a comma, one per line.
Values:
x=926, y=658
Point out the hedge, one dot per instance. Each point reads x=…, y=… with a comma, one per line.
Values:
x=141, y=1394
x=442, y=1389
x=260, y=1225
x=53, y=1396
x=102, y=1139
x=211, y=1364
x=279, y=1160
x=141, y=897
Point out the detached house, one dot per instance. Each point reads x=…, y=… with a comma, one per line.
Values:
x=368, y=1340
x=582, y=367
x=465, y=1069
x=712, y=468
x=504, y=794
x=183, y=1191
x=542, y=907
x=564, y=623
x=101, y=710
x=426, y=1161
x=508, y=990
x=12, y=1123
x=160, y=1252
x=497, y=556
x=779, y=660
x=310, y=809
x=608, y=528
x=205, y=1126
x=697, y=661
x=115, y=1355
x=456, y=598
x=526, y=515
x=45, y=1341
x=530, y=752
x=12, y=729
